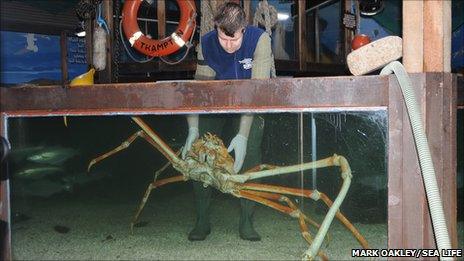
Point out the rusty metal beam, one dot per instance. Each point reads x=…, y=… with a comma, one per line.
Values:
x=280, y=94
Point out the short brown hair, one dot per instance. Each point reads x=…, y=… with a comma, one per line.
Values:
x=229, y=18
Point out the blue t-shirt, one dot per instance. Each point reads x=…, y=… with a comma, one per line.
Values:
x=231, y=65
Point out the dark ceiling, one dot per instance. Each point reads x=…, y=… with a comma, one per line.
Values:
x=38, y=16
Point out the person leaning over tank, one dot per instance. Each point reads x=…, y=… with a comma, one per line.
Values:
x=232, y=51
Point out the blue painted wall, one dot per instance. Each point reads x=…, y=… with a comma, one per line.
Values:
x=26, y=57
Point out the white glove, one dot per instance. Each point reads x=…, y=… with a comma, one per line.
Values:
x=193, y=135
x=239, y=146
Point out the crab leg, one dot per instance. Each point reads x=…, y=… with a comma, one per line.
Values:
x=123, y=146
x=160, y=144
x=261, y=167
x=163, y=168
x=150, y=187
x=291, y=204
x=153, y=185
x=265, y=199
x=278, y=197
x=315, y=195
x=335, y=160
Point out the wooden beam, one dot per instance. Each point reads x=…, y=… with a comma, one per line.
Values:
x=247, y=9
x=437, y=36
x=427, y=48
x=413, y=37
x=348, y=34
x=302, y=41
x=395, y=166
x=64, y=57
x=88, y=41
x=409, y=223
x=460, y=99
x=427, y=36
x=441, y=126
x=105, y=76
x=161, y=16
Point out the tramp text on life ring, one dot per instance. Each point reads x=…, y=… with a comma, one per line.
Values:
x=155, y=47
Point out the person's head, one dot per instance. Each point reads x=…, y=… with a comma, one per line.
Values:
x=230, y=22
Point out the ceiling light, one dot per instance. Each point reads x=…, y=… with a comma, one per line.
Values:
x=282, y=16
x=80, y=29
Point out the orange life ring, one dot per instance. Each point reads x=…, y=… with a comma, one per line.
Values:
x=155, y=47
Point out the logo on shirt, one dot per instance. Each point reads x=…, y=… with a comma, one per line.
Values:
x=247, y=63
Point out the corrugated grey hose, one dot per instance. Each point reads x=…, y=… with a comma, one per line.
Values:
x=425, y=159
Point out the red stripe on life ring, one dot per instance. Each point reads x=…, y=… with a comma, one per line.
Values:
x=158, y=47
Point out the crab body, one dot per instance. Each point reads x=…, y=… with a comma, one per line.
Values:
x=209, y=162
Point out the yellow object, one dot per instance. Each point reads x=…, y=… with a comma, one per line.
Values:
x=83, y=79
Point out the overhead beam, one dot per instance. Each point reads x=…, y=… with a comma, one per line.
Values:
x=265, y=95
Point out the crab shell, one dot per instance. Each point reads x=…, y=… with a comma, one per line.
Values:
x=209, y=162
x=211, y=150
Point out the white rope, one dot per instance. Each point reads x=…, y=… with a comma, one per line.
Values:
x=206, y=22
x=207, y=14
x=266, y=15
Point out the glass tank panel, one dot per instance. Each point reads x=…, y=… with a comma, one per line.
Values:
x=62, y=211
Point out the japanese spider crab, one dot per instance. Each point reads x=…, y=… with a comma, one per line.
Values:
x=209, y=162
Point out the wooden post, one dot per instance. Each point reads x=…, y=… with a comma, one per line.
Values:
x=347, y=33
x=441, y=126
x=409, y=223
x=437, y=36
x=426, y=48
x=64, y=57
x=427, y=36
x=105, y=76
x=302, y=41
x=413, y=37
x=88, y=41
x=247, y=9
x=161, y=16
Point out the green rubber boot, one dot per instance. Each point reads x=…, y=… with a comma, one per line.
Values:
x=202, y=201
x=246, y=230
